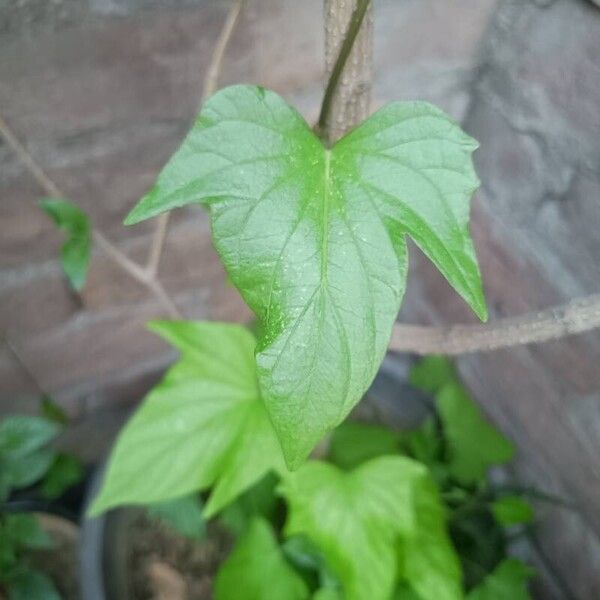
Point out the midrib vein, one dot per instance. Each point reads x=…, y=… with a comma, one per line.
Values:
x=325, y=238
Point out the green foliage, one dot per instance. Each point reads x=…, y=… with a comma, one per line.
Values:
x=473, y=444
x=183, y=515
x=32, y=585
x=507, y=582
x=75, y=251
x=64, y=472
x=203, y=426
x=302, y=228
x=258, y=570
x=354, y=443
x=432, y=373
x=512, y=510
x=377, y=523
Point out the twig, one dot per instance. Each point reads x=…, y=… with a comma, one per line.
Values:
x=209, y=86
x=576, y=316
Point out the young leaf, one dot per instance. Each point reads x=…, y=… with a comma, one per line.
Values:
x=375, y=524
x=474, y=444
x=512, y=510
x=257, y=569
x=203, y=426
x=355, y=443
x=507, y=582
x=184, y=515
x=75, y=251
x=32, y=585
x=24, y=471
x=314, y=238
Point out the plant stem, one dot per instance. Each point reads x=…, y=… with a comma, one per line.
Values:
x=335, y=20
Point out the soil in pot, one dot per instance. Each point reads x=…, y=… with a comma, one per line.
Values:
x=163, y=565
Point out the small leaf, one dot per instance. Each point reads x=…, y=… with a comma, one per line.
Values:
x=507, y=582
x=375, y=524
x=512, y=510
x=75, y=251
x=474, y=444
x=355, y=443
x=315, y=238
x=432, y=373
x=183, y=515
x=64, y=473
x=257, y=570
x=203, y=426
x=21, y=435
x=32, y=585
x=25, y=531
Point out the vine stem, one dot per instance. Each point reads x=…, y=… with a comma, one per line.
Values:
x=209, y=87
x=577, y=316
x=147, y=275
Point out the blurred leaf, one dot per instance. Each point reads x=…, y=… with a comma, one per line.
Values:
x=52, y=411
x=204, y=426
x=65, y=472
x=327, y=594
x=432, y=373
x=354, y=443
x=424, y=443
x=21, y=435
x=473, y=444
x=75, y=251
x=183, y=515
x=32, y=585
x=24, y=530
x=23, y=471
x=259, y=500
x=257, y=569
x=512, y=510
x=374, y=524
x=507, y=582
x=309, y=560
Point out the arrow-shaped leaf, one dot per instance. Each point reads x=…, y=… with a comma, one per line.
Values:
x=314, y=238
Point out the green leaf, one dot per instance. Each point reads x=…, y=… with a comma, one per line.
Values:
x=314, y=238
x=507, y=582
x=75, y=251
x=257, y=570
x=52, y=411
x=432, y=373
x=327, y=594
x=203, y=426
x=32, y=585
x=64, y=473
x=21, y=435
x=375, y=524
x=354, y=443
x=184, y=515
x=474, y=444
x=308, y=560
x=512, y=510
x=23, y=471
x=24, y=530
